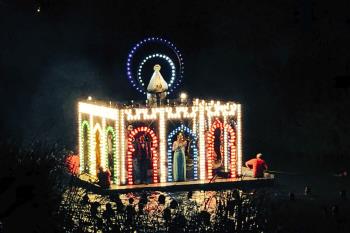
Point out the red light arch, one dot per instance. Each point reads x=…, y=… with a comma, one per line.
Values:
x=131, y=149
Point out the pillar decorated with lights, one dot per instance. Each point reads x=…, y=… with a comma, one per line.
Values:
x=225, y=145
x=162, y=145
x=122, y=147
x=92, y=162
x=239, y=140
x=116, y=158
x=202, y=151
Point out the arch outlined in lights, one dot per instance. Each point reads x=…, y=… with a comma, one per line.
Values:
x=175, y=82
x=193, y=146
x=131, y=149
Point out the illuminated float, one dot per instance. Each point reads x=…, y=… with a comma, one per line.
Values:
x=112, y=134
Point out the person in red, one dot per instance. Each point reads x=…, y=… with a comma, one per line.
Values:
x=258, y=165
x=72, y=163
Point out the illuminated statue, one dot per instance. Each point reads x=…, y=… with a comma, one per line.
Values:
x=157, y=87
x=179, y=161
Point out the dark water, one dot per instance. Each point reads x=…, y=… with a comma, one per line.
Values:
x=272, y=209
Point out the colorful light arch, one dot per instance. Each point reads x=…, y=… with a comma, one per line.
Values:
x=231, y=155
x=217, y=124
x=182, y=128
x=131, y=149
x=82, y=142
x=111, y=130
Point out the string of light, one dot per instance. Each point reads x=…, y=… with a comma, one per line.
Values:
x=91, y=115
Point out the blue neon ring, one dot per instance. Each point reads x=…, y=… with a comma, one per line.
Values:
x=167, y=43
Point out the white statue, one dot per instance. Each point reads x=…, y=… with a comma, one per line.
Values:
x=157, y=86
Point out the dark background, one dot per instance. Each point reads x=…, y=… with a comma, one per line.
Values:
x=287, y=62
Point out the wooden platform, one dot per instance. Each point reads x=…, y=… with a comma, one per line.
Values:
x=216, y=184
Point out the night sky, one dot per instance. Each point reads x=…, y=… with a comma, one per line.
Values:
x=287, y=62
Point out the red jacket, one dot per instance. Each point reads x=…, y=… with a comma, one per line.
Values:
x=72, y=163
x=258, y=166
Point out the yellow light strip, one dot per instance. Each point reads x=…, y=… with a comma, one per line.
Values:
x=92, y=156
x=141, y=114
x=239, y=140
x=194, y=125
x=122, y=146
x=220, y=110
x=116, y=166
x=225, y=144
x=162, y=145
x=104, y=144
x=209, y=122
x=81, y=147
x=202, y=174
x=96, y=110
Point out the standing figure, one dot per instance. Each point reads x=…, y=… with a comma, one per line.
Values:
x=143, y=155
x=179, y=160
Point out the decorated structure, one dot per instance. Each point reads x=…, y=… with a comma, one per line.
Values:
x=152, y=141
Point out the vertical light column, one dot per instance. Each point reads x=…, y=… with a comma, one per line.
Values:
x=232, y=154
x=209, y=120
x=129, y=153
x=201, y=133
x=239, y=140
x=194, y=123
x=92, y=156
x=225, y=143
x=116, y=159
x=104, y=144
x=81, y=146
x=122, y=146
x=162, y=145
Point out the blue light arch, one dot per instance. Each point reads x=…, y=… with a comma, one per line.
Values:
x=178, y=60
x=193, y=146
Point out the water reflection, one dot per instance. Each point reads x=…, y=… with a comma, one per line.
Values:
x=195, y=211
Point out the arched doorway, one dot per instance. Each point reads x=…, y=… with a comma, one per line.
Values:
x=213, y=148
x=85, y=146
x=215, y=154
x=133, y=137
x=97, y=150
x=110, y=149
x=191, y=149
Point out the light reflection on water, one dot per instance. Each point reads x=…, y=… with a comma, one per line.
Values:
x=203, y=200
x=254, y=210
